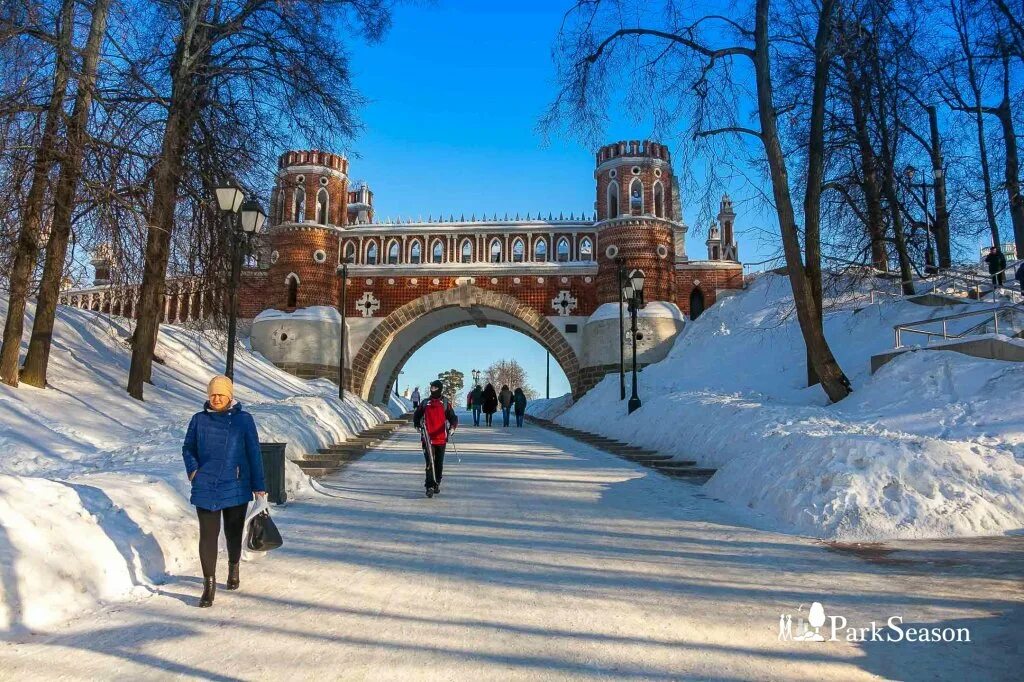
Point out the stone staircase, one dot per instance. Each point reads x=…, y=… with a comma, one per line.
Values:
x=332, y=459
x=676, y=468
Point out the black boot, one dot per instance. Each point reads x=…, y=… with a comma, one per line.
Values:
x=233, y=576
x=209, y=591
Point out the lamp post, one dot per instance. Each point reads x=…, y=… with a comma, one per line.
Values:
x=909, y=172
x=476, y=377
x=634, y=294
x=229, y=201
x=620, y=263
x=343, y=269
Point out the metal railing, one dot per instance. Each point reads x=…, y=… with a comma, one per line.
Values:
x=1006, y=319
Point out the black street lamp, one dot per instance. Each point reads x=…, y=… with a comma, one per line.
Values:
x=343, y=271
x=252, y=217
x=909, y=172
x=476, y=377
x=634, y=294
x=620, y=263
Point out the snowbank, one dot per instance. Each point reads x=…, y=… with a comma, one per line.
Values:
x=549, y=408
x=930, y=446
x=93, y=496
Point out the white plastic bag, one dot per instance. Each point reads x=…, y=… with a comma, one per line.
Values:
x=257, y=506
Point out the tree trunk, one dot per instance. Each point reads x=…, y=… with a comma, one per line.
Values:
x=941, y=212
x=1005, y=115
x=38, y=356
x=28, y=239
x=835, y=383
x=181, y=112
x=868, y=164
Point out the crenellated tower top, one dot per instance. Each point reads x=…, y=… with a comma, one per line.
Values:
x=633, y=149
x=313, y=157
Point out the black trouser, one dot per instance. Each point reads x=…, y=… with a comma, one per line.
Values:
x=430, y=482
x=209, y=533
x=489, y=416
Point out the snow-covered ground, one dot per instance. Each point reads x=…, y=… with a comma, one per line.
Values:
x=930, y=446
x=543, y=559
x=93, y=496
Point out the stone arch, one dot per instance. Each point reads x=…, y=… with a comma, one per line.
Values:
x=376, y=364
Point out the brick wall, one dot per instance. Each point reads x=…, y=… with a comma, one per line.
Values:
x=710, y=280
x=638, y=240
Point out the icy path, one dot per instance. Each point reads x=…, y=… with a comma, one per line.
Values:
x=542, y=559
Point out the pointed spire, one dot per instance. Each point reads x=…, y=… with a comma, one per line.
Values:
x=517, y=215
x=572, y=216
x=462, y=218
x=561, y=216
x=473, y=218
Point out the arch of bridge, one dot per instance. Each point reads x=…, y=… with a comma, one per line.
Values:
x=393, y=341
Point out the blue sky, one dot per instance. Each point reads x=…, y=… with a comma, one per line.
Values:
x=455, y=92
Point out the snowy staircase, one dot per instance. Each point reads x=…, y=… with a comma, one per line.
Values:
x=665, y=464
x=331, y=459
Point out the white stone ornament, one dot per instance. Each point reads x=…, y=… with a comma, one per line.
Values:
x=368, y=304
x=564, y=303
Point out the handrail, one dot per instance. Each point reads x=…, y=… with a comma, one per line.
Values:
x=908, y=327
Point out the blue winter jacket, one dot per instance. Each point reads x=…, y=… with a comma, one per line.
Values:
x=223, y=449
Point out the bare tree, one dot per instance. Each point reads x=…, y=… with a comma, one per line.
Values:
x=245, y=71
x=36, y=360
x=27, y=249
x=587, y=51
x=509, y=373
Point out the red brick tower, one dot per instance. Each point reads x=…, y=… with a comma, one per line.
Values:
x=309, y=204
x=634, y=213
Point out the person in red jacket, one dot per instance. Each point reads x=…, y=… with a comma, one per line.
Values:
x=435, y=419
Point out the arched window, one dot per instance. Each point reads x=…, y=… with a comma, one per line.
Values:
x=518, y=251
x=437, y=253
x=696, y=303
x=415, y=252
x=636, y=196
x=540, y=250
x=293, y=291
x=393, y=253
x=371, y=254
x=613, y=199
x=562, y=252
x=586, y=249
x=299, y=205
x=322, y=201
x=495, y=250
x=350, y=252
x=659, y=200
x=467, y=251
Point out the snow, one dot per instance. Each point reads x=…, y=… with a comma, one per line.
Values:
x=93, y=496
x=316, y=313
x=542, y=559
x=930, y=446
x=660, y=309
x=549, y=408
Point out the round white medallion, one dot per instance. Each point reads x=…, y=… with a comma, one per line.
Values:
x=565, y=280
x=494, y=280
x=540, y=280
x=391, y=280
x=588, y=280
x=612, y=173
x=515, y=280
x=657, y=172
x=413, y=281
x=436, y=281
x=369, y=282
x=300, y=179
x=611, y=252
x=662, y=251
x=323, y=180
x=319, y=256
x=635, y=170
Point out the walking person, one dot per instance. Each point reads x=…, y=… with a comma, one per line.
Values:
x=996, y=266
x=505, y=400
x=490, y=403
x=415, y=397
x=223, y=462
x=437, y=420
x=519, y=401
x=477, y=404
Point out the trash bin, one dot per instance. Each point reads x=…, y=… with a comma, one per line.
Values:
x=273, y=472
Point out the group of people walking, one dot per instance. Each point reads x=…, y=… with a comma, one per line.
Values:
x=487, y=401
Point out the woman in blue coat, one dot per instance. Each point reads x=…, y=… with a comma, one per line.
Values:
x=223, y=462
